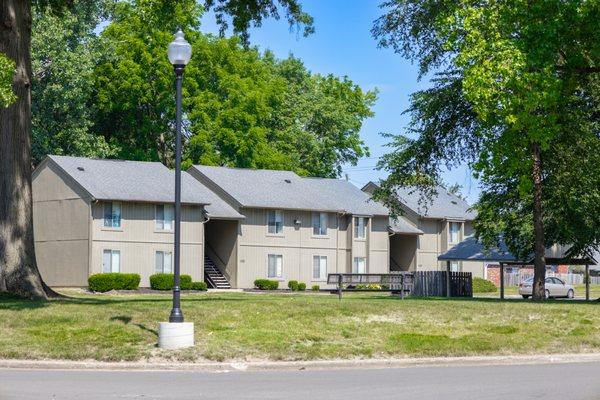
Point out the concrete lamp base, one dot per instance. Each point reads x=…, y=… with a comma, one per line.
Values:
x=175, y=335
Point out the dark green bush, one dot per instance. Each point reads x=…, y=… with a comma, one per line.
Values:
x=199, y=286
x=266, y=284
x=293, y=285
x=113, y=281
x=165, y=282
x=315, y=288
x=481, y=285
x=301, y=286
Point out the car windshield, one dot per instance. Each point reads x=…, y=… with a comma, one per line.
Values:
x=528, y=280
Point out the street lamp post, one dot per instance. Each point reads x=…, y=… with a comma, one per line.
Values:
x=176, y=333
x=180, y=53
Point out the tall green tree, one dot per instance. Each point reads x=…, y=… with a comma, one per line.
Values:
x=18, y=269
x=64, y=51
x=243, y=108
x=507, y=75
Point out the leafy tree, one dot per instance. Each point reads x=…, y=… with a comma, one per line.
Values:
x=64, y=52
x=510, y=79
x=242, y=108
x=18, y=269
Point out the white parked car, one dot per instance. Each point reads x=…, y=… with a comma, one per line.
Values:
x=555, y=287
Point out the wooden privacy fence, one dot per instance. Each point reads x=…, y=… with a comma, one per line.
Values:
x=419, y=284
x=433, y=283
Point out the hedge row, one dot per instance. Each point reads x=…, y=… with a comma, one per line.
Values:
x=481, y=285
x=113, y=281
x=166, y=282
x=266, y=284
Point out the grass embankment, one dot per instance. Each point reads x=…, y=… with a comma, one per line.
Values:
x=294, y=327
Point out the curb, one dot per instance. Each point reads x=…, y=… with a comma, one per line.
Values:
x=301, y=365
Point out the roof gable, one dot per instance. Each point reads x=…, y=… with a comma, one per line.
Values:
x=256, y=188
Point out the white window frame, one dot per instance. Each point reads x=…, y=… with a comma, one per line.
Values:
x=160, y=224
x=454, y=266
x=452, y=240
x=113, y=254
x=278, y=266
x=320, y=264
x=355, y=265
x=277, y=222
x=360, y=230
x=110, y=223
x=320, y=220
x=163, y=256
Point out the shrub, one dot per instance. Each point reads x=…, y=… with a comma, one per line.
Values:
x=481, y=285
x=266, y=284
x=293, y=285
x=301, y=286
x=370, y=286
x=113, y=281
x=199, y=286
x=165, y=282
x=315, y=288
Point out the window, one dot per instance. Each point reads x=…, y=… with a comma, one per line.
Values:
x=164, y=217
x=275, y=222
x=275, y=266
x=454, y=266
x=454, y=232
x=112, y=215
x=360, y=227
x=319, y=223
x=359, y=266
x=163, y=262
x=111, y=261
x=320, y=268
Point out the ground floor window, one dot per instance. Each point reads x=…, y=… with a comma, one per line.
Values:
x=163, y=262
x=275, y=267
x=320, y=268
x=454, y=266
x=359, y=266
x=111, y=261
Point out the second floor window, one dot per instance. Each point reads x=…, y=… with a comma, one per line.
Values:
x=164, y=217
x=360, y=227
x=275, y=222
x=162, y=264
x=112, y=215
x=319, y=223
x=454, y=233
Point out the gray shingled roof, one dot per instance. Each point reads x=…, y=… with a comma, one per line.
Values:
x=400, y=225
x=254, y=188
x=444, y=206
x=470, y=249
x=138, y=181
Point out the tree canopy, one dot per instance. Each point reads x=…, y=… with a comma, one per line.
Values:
x=512, y=96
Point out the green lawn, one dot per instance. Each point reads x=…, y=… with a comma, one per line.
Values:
x=295, y=327
x=514, y=291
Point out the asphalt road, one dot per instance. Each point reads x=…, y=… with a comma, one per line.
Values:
x=548, y=382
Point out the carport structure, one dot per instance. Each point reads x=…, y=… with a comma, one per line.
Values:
x=471, y=249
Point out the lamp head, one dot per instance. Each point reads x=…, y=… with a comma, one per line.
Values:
x=180, y=51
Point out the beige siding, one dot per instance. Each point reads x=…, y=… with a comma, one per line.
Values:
x=429, y=245
x=296, y=244
x=378, y=245
x=138, y=240
x=61, y=214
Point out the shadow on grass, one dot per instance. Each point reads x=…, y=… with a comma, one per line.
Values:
x=127, y=319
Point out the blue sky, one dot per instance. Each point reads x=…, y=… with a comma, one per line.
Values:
x=342, y=45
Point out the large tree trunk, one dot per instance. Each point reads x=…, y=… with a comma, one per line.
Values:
x=539, y=269
x=18, y=269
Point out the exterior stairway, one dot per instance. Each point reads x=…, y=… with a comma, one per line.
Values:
x=213, y=277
